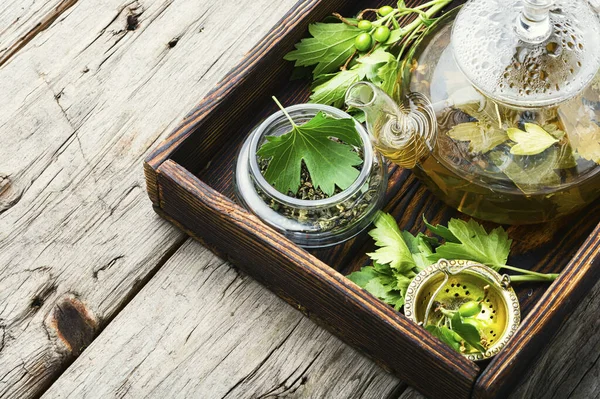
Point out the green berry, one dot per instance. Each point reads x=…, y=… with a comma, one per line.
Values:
x=385, y=10
x=381, y=34
x=363, y=42
x=365, y=25
x=469, y=309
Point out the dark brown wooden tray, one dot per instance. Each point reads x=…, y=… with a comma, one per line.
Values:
x=189, y=180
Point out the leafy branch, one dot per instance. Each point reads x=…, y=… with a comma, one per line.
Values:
x=355, y=49
x=401, y=255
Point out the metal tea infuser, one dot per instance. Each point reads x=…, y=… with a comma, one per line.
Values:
x=454, y=282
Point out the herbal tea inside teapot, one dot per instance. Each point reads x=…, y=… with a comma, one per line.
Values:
x=498, y=109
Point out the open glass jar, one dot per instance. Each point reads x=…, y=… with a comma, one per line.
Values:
x=318, y=222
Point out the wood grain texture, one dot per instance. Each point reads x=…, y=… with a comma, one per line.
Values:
x=83, y=101
x=22, y=21
x=82, y=104
x=202, y=329
x=295, y=275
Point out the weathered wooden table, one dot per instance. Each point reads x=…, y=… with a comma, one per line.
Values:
x=99, y=297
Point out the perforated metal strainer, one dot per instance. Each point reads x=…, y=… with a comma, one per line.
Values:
x=453, y=282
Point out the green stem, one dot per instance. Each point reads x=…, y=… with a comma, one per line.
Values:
x=429, y=4
x=447, y=313
x=529, y=278
x=415, y=25
x=435, y=8
x=406, y=40
x=528, y=274
x=284, y=111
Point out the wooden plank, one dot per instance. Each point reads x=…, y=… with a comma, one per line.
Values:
x=21, y=21
x=82, y=104
x=354, y=315
x=200, y=328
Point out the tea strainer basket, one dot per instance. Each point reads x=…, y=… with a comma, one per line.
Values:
x=454, y=282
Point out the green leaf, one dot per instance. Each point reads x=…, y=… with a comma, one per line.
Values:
x=403, y=281
x=441, y=231
x=371, y=64
x=388, y=73
x=379, y=56
x=566, y=157
x=481, y=138
x=583, y=129
x=329, y=163
x=375, y=287
x=566, y=201
x=530, y=177
x=530, y=142
x=553, y=130
x=332, y=91
x=585, y=139
x=487, y=113
x=384, y=286
x=392, y=248
x=475, y=244
x=362, y=277
x=467, y=332
x=383, y=292
x=329, y=48
x=420, y=248
x=445, y=335
x=395, y=36
x=489, y=130
x=393, y=279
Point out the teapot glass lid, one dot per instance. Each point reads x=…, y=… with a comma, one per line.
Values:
x=527, y=53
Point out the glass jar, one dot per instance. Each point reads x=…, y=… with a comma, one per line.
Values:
x=310, y=223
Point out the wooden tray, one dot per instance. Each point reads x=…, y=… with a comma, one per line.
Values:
x=189, y=180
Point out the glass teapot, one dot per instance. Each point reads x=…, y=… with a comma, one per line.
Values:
x=497, y=109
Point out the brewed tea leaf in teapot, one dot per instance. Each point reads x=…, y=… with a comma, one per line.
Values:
x=487, y=132
x=532, y=141
x=539, y=172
